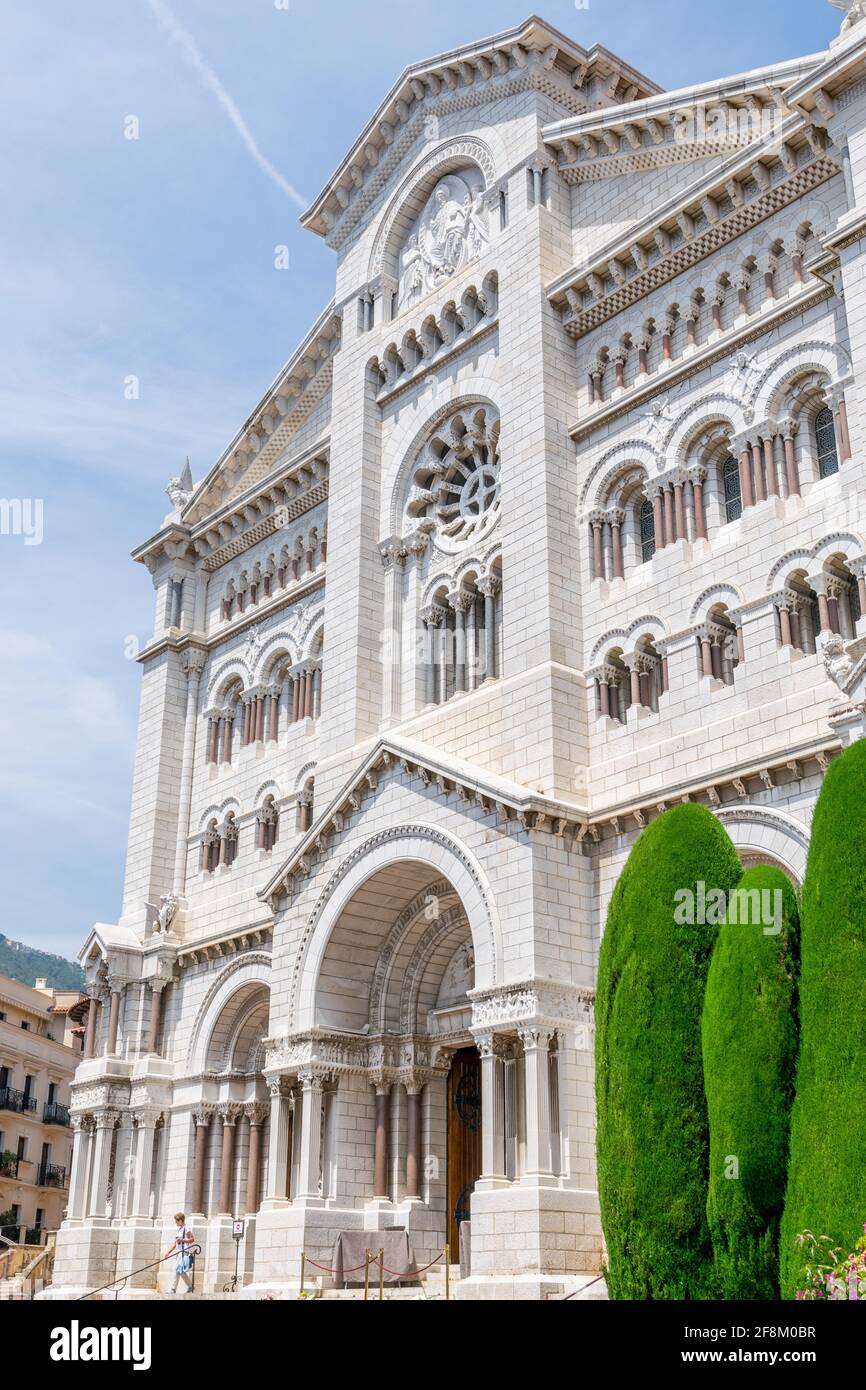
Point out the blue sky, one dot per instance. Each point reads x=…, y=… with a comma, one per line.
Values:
x=154, y=258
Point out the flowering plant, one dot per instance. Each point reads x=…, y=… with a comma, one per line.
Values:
x=829, y=1274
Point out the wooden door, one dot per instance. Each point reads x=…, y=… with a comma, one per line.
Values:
x=464, y=1139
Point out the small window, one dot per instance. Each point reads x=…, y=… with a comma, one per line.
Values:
x=25, y=1025
x=825, y=443
x=733, y=496
x=647, y=532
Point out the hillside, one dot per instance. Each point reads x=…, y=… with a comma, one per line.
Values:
x=27, y=965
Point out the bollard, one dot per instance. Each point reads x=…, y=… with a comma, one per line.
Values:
x=447, y=1272
x=366, y=1275
x=303, y=1261
x=381, y=1273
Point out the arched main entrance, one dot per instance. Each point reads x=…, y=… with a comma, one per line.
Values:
x=395, y=1079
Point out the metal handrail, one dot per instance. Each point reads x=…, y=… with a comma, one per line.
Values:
x=172, y=1254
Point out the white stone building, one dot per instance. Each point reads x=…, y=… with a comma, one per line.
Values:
x=553, y=520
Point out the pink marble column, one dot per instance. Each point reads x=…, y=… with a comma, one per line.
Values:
x=842, y=428
x=706, y=656
x=634, y=680
x=296, y=697
x=792, y=475
x=604, y=698
x=213, y=735
x=700, y=513
x=90, y=1029
x=597, y=552
x=380, y=1152
x=785, y=625
x=227, y=1166
x=275, y=718
x=227, y=740
x=659, y=521
x=113, y=1021
x=616, y=544
x=746, y=476
x=668, y=508
x=679, y=512
x=308, y=694
x=770, y=466
x=760, y=492
x=413, y=1143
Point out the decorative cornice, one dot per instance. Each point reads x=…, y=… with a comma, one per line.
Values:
x=680, y=234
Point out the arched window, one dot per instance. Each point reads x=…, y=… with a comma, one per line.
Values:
x=647, y=531
x=731, y=482
x=825, y=443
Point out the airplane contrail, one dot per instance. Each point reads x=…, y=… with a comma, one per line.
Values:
x=196, y=60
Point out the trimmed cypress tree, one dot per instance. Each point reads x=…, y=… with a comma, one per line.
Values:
x=653, y=1144
x=749, y=1033
x=827, y=1167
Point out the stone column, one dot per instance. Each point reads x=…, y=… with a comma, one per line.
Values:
x=631, y=662
x=145, y=1122
x=746, y=476
x=770, y=466
x=784, y=619
x=212, y=738
x=104, y=1121
x=76, y=1208
x=229, y=1116
x=459, y=600
x=819, y=584
x=698, y=479
x=536, y=1044
x=193, y=663
x=156, y=988
x=278, y=1143
x=296, y=695
x=90, y=1027
x=492, y=1110
x=393, y=561
x=679, y=510
x=616, y=519
x=792, y=476
x=757, y=459
x=706, y=651
x=201, y=1119
x=489, y=586
x=658, y=520
x=604, y=697
x=308, y=692
x=310, y=1168
x=597, y=547
x=255, y=1116
x=274, y=730
x=380, y=1150
x=413, y=1142
x=668, y=511
x=115, y=996
x=432, y=617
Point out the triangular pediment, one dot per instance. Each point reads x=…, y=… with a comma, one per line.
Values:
x=532, y=54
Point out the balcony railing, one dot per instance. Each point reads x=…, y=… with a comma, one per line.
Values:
x=50, y=1175
x=55, y=1114
x=15, y=1100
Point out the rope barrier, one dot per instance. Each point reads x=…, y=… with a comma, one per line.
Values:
x=192, y=1250
x=377, y=1260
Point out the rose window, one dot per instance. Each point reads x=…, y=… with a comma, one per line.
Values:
x=456, y=485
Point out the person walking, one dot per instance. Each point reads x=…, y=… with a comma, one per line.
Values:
x=183, y=1240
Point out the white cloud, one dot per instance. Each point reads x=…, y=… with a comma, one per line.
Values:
x=196, y=60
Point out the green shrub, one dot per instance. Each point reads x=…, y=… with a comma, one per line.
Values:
x=827, y=1166
x=653, y=1146
x=749, y=1034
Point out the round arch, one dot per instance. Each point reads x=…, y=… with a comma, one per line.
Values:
x=439, y=856
x=765, y=836
x=244, y=974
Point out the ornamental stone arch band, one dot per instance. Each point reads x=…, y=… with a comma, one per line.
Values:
x=251, y=969
x=408, y=201
x=768, y=836
x=426, y=844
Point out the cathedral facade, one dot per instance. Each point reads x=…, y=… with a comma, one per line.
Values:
x=554, y=519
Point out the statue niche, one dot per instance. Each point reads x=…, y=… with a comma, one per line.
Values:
x=449, y=233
